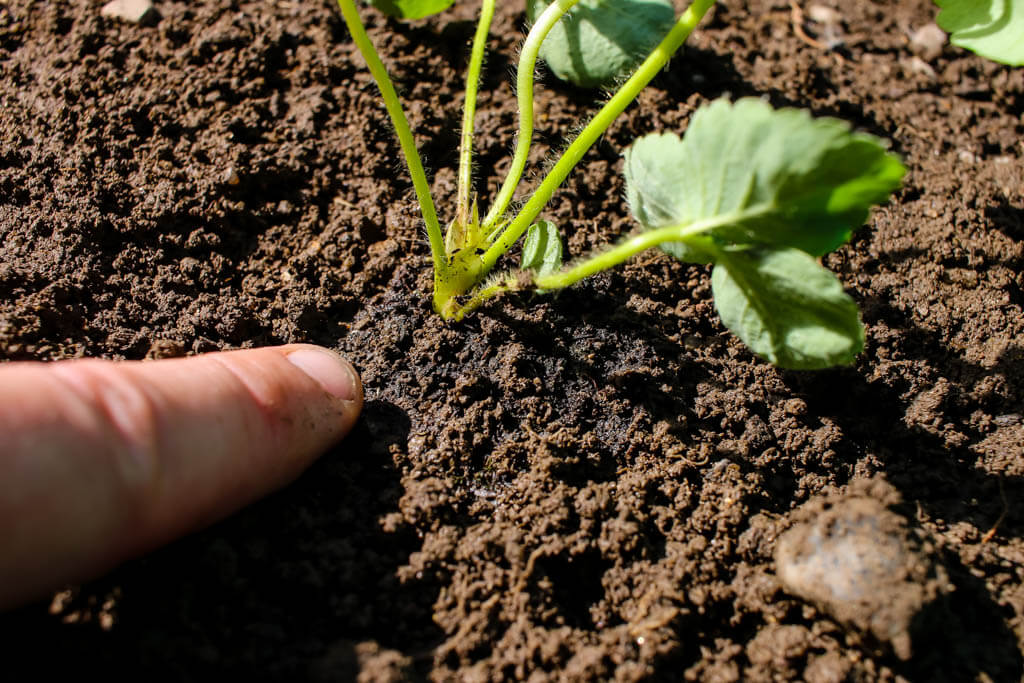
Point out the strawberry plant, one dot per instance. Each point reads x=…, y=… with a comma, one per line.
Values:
x=757, y=192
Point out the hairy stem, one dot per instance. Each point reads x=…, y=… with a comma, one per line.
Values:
x=623, y=251
x=595, y=128
x=476, y=61
x=487, y=291
x=693, y=234
x=524, y=94
x=401, y=124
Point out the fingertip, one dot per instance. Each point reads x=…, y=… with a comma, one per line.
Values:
x=333, y=372
x=305, y=397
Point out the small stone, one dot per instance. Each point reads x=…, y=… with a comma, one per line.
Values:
x=822, y=14
x=134, y=11
x=927, y=42
x=231, y=176
x=966, y=156
x=863, y=564
x=919, y=66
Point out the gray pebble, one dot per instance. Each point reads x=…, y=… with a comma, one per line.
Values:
x=862, y=563
x=927, y=42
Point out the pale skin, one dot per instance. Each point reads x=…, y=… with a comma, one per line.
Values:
x=102, y=461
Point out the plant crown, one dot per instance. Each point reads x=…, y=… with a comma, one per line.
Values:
x=757, y=192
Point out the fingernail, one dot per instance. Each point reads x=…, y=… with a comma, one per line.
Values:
x=334, y=373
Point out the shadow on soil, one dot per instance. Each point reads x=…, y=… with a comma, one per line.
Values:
x=963, y=638
x=968, y=635
x=284, y=587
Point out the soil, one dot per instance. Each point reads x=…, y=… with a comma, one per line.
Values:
x=586, y=486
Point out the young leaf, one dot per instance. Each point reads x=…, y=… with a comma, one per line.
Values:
x=600, y=40
x=411, y=9
x=992, y=29
x=768, y=176
x=787, y=308
x=542, y=249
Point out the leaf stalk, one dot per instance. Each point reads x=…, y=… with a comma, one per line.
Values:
x=573, y=154
x=476, y=61
x=402, y=129
x=525, y=73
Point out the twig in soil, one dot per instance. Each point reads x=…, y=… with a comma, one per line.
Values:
x=531, y=561
x=652, y=623
x=990, y=534
x=797, y=15
x=704, y=458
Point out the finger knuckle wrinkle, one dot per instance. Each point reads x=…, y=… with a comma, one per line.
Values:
x=266, y=402
x=124, y=420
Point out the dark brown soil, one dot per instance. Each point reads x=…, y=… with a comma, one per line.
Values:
x=585, y=486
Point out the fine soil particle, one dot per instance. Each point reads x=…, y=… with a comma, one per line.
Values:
x=586, y=486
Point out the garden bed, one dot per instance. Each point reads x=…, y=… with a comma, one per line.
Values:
x=591, y=483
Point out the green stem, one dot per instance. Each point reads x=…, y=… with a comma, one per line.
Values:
x=629, y=248
x=693, y=234
x=597, y=126
x=488, y=291
x=524, y=94
x=401, y=124
x=476, y=61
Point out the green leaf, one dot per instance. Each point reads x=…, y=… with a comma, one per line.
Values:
x=685, y=252
x=787, y=308
x=768, y=176
x=991, y=28
x=598, y=41
x=411, y=9
x=760, y=193
x=542, y=249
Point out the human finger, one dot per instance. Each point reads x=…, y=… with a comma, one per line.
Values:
x=102, y=461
